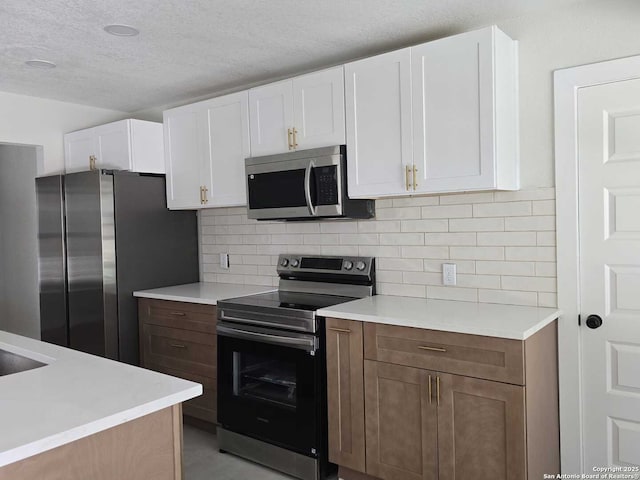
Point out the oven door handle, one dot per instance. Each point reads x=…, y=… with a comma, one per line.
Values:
x=307, y=187
x=308, y=344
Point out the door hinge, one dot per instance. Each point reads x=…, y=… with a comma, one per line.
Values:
x=579, y=320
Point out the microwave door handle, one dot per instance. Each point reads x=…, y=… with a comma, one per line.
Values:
x=307, y=187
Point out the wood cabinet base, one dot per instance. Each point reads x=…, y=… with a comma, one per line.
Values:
x=345, y=473
x=144, y=448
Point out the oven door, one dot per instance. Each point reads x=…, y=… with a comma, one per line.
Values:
x=268, y=386
x=294, y=188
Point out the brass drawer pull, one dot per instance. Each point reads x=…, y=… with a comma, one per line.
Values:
x=178, y=314
x=295, y=137
x=415, y=176
x=438, y=389
x=407, y=173
x=430, y=391
x=289, y=135
x=433, y=349
x=178, y=345
x=340, y=330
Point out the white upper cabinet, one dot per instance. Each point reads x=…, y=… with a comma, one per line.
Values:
x=378, y=106
x=437, y=117
x=206, y=144
x=465, y=113
x=133, y=145
x=271, y=114
x=318, y=109
x=297, y=114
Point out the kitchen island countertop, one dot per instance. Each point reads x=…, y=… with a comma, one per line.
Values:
x=73, y=396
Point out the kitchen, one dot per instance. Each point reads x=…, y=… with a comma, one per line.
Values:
x=503, y=243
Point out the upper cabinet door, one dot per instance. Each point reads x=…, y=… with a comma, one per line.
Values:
x=79, y=147
x=271, y=117
x=114, y=146
x=184, y=157
x=378, y=107
x=456, y=117
x=228, y=139
x=318, y=109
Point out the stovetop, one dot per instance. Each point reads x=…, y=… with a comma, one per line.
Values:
x=292, y=300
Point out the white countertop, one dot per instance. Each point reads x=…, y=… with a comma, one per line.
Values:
x=202, y=292
x=503, y=321
x=74, y=396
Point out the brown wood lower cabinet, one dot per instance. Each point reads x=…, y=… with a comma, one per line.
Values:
x=428, y=424
x=179, y=339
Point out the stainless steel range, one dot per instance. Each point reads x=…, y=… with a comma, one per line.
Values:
x=272, y=365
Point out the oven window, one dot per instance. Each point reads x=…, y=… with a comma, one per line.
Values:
x=263, y=379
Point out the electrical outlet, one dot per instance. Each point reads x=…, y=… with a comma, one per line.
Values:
x=449, y=273
x=224, y=261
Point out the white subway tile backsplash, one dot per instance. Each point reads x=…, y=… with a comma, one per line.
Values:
x=452, y=293
x=477, y=253
x=447, y=211
x=466, y=238
x=402, y=239
x=503, y=244
x=476, y=224
x=504, y=209
x=441, y=225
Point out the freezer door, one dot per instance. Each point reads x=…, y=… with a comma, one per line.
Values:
x=51, y=260
x=92, y=296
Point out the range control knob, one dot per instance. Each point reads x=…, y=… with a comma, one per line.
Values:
x=347, y=265
x=284, y=262
x=295, y=262
x=361, y=265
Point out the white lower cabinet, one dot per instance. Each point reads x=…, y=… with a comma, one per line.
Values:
x=133, y=145
x=438, y=117
x=206, y=144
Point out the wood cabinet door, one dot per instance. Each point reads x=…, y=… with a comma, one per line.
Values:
x=114, y=146
x=401, y=422
x=78, y=147
x=318, y=109
x=228, y=146
x=378, y=113
x=481, y=429
x=185, y=158
x=453, y=108
x=270, y=118
x=345, y=393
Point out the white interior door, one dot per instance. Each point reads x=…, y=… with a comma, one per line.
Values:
x=609, y=219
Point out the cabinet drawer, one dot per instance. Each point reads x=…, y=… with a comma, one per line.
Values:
x=183, y=315
x=472, y=355
x=204, y=407
x=184, y=350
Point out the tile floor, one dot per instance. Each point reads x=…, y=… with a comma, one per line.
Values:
x=202, y=461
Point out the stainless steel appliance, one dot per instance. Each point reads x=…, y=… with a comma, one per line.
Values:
x=102, y=235
x=308, y=184
x=271, y=363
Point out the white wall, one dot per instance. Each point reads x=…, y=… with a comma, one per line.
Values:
x=19, y=304
x=39, y=121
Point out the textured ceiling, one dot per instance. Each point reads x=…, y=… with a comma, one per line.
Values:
x=195, y=48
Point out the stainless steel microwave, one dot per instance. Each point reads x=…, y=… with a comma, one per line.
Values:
x=308, y=184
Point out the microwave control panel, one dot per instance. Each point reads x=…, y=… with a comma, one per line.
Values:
x=326, y=185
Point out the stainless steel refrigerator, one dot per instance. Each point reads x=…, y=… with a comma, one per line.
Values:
x=102, y=235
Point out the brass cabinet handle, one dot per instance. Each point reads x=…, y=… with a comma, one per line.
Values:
x=289, y=135
x=340, y=330
x=415, y=176
x=432, y=349
x=178, y=314
x=178, y=345
x=430, y=392
x=205, y=190
x=201, y=197
x=295, y=138
x=407, y=173
x=438, y=390
x=92, y=162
